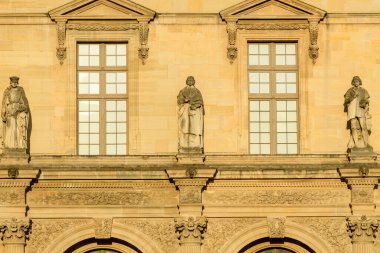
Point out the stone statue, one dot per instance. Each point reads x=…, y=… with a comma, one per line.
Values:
x=190, y=118
x=15, y=116
x=356, y=104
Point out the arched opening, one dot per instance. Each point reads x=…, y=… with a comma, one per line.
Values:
x=283, y=245
x=111, y=245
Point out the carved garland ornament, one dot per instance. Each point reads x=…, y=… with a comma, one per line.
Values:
x=142, y=27
x=232, y=27
x=362, y=230
x=14, y=230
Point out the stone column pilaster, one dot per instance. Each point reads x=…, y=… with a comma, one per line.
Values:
x=190, y=232
x=363, y=233
x=14, y=232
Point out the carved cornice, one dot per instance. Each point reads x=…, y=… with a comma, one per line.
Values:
x=362, y=230
x=190, y=229
x=10, y=183
x=14, y=230
x=362, y=182
x=103, y=228
x=276, y=227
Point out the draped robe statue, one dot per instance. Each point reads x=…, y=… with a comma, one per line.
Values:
x=190, y=118
x=356, y=104
x=15, y=116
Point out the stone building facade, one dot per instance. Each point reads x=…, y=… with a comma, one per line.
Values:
x=102, y=172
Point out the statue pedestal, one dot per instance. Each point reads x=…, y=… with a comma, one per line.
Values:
x=15, y=156
x=361, y=155
x=190, y=158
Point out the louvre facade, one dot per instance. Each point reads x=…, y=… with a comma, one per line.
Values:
x=189, y=126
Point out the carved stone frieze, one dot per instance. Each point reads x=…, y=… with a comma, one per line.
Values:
x=46, y=231
x=190, y=228
x=332, y=230
x=278, y=197
x=362, y=230
x=103, y=228
x=101, y=27
x=133, y=198
x=14, y=230
x=273, y=26
x=362, y=195
x=276, y=227
x=161, y=231
x=12, y=197
x=313, y=47
x=190, y=195
x=220, y=230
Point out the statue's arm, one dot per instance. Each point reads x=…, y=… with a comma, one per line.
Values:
x=4, y=106
x=25, y=105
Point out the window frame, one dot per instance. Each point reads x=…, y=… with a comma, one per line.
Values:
x=272, y=96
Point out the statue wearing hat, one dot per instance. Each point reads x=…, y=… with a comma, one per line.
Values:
x=15, y=116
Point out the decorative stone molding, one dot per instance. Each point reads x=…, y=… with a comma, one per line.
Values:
x=276, y=227
x=190, y=228
x=81, y=14
x=13, y=173
x=313, y=47
x=278, y=197
x=362, y=194
x=46, y=231
x=231, y=49
x=14, y=230
x=258, y=15
x=61, y=49
x=362, y=230
x=103, y=228
x=332, y=230
x=12, y=197
x=161, y=231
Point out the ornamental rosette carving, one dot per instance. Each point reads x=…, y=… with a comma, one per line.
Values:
x=220, y=230
x=14, y=230
x=190, y=228
x=279, y=197
x=161, y=231
x=362, y=230
x=332, y=230
x=47, y=230
x=103, y=228
x=276, y=227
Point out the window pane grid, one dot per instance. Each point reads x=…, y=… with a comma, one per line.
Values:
x=285, y=54
x=259, y=136
x=287, y=127
x=259, y=82
x=258, y=54
x=286, y=82
x=102, y=99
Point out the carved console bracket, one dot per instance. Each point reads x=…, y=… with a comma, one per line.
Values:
x=85, y=15
x=264, y=15
x=362, y=230
x=190, y=229
x=14, y=230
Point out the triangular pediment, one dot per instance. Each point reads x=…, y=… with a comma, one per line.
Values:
x=272, y=9
x=101, y=9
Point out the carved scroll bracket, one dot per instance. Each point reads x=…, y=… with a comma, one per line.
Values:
x=231, y=31
x=313, y=47
x=14, y=230
x=61, y=49
x=190, y=229
x=362, y=230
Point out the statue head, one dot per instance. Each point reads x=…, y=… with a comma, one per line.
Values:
x=190, y=81
x=356, y=81
x=14, y=81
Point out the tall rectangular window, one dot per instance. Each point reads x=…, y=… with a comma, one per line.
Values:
x=273, y=98
x=102, y=98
